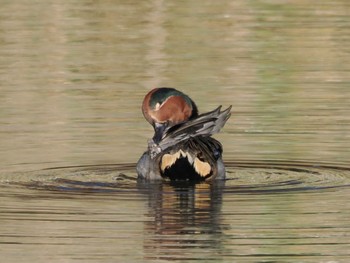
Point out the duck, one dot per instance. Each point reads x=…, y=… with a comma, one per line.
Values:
x=181, y=148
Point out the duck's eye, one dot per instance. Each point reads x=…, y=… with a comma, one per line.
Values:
x=157, y=106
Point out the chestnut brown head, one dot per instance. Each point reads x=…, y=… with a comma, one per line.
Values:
x=166, y=107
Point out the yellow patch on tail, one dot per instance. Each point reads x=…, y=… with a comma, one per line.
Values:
x=202, y=168
x=169, y=159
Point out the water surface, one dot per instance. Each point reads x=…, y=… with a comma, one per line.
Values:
x=264, y=212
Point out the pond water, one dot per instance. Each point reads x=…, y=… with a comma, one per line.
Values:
x=73, y=75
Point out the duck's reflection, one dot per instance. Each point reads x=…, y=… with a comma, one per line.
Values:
x=183, y=219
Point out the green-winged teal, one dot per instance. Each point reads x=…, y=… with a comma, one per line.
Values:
x=181, y=148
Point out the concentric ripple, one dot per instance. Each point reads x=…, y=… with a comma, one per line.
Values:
x=286, y=176
x=242, y=177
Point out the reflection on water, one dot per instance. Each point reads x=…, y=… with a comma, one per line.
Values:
x=73, y=75
x=183, y=218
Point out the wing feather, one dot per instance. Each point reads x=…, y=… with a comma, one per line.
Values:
x=204, y=125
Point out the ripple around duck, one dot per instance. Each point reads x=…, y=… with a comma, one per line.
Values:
x=253, y=177
x=282, y=177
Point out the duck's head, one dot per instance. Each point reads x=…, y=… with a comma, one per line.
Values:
x=166, y=107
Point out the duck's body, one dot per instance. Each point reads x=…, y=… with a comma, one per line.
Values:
x=181, y=148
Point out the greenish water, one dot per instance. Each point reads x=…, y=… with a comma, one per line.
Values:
x=73, y=76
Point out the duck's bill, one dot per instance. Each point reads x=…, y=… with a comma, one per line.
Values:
x=159, y=132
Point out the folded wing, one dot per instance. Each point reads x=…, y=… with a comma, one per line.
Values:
x=205, y=124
